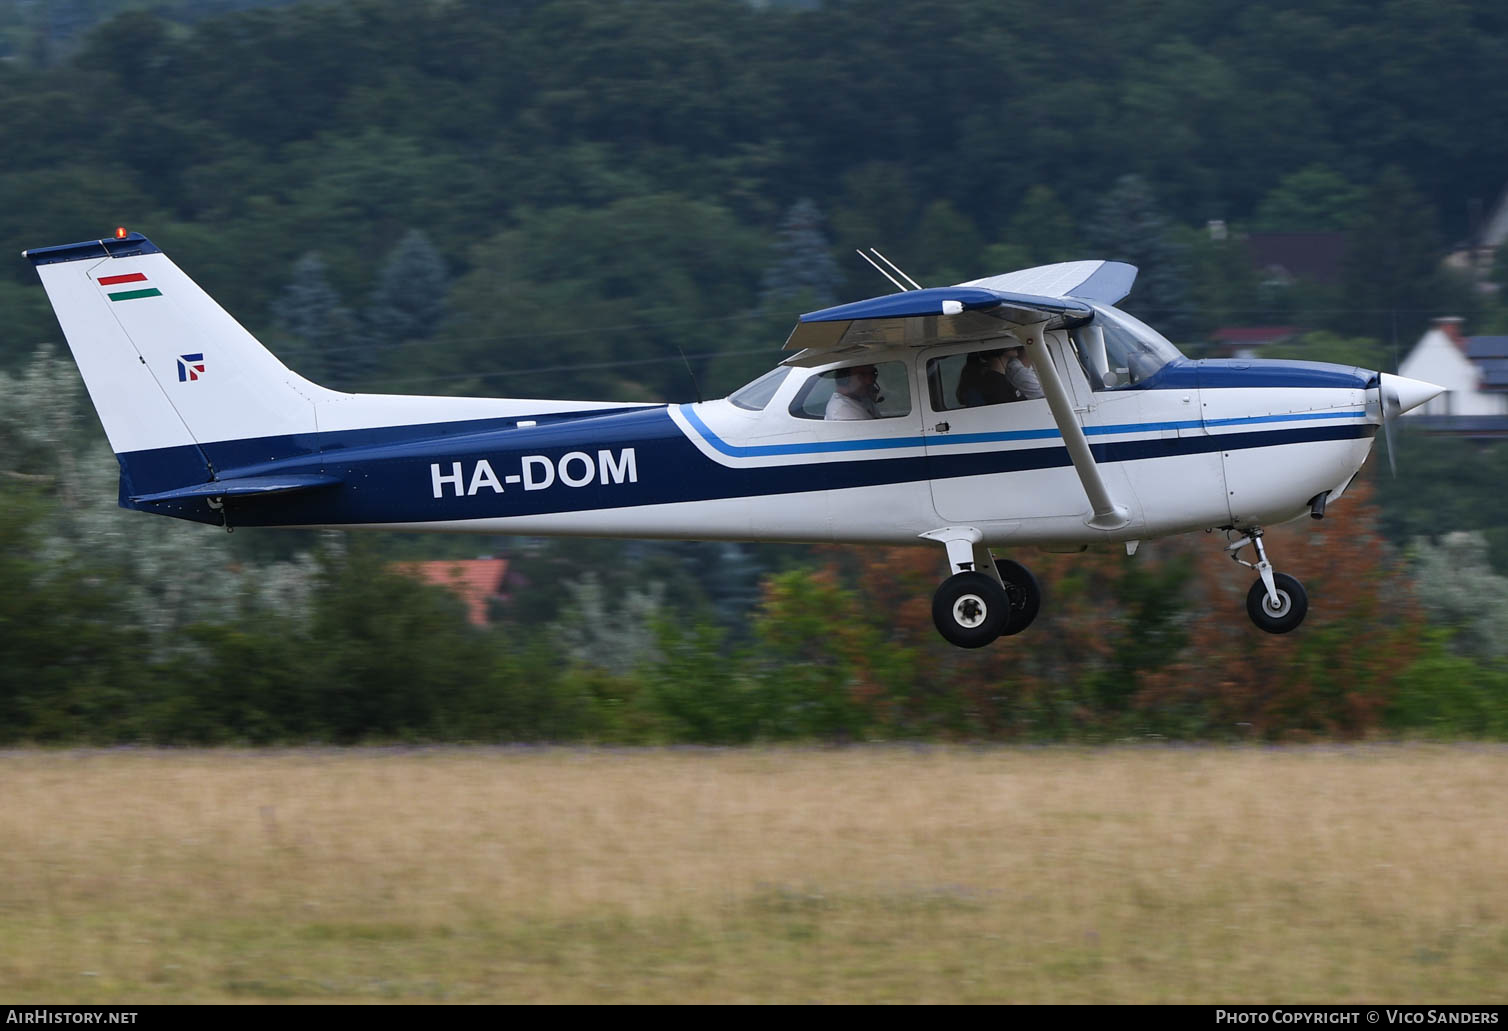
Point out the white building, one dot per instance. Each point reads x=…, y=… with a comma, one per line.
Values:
x=1473, y=371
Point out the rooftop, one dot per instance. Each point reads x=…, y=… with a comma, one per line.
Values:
x=477, y=581
x=1311, y=257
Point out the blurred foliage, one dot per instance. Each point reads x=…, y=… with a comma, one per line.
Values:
x=1459, y=589
x=1156, y=646
x=1445, y=484
x=634, y=201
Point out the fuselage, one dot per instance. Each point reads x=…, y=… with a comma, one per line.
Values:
x=1183, y=445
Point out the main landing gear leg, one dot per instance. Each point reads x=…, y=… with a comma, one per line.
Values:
x=984, y=598
x=1277, y=602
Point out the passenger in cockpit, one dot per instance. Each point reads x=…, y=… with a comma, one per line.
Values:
x=983, y=380
x=1022, y=376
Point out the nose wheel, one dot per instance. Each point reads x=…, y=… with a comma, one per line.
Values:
x=1277, y=602
x=1280, y=615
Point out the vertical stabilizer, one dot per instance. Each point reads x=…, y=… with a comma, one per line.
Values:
x=168, y=369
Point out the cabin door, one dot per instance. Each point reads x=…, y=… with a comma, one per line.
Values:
x=991, y=455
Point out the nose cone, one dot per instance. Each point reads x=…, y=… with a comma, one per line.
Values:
x=1402, y=394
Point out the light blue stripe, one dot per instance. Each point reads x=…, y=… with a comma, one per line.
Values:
x=1245, y=420
x=949, y=440
x=1350, y=413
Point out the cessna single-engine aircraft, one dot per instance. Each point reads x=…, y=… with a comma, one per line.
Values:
x=1021, y=409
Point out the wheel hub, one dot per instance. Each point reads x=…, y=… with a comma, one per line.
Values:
x=970, y=611
x=1280, y=607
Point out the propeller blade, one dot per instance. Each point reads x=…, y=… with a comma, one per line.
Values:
x=1387, y=435
x=1392, y=407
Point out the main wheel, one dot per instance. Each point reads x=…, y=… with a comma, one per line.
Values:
x=1024, y=594
x=1293, y=604
x=970, y=609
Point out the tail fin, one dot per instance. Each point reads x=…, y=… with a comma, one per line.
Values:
x=170, y=372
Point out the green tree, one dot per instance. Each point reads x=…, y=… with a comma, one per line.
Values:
x=812, y=641
x=71, y=663
x=408, y=299
x=390, y=651
x=1459, y=589
x=1044, y=229
x=1130, y=226
x=1223, y=288
x=1444, y=484
x=1392, y=276
x=604, y=302
x=1312, y=199
x=803, y=269
x=323, y=329
x=945, y=247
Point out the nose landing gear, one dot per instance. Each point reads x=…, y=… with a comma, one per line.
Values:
x=1277, y=602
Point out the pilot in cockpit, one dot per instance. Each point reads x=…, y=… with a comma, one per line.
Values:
x=856, y=394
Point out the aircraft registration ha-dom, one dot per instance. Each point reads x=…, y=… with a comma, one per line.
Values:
x=1018, y=410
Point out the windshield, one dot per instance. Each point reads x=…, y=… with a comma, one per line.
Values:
x=754, y=396
x=1119, y=351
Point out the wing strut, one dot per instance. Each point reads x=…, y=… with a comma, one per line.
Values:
x=1107, y=514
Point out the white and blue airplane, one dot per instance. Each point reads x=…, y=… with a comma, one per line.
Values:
x=870, y=432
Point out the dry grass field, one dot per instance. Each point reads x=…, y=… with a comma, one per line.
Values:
x=874, y=874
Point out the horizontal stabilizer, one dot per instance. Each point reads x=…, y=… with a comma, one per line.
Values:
x=244, y=486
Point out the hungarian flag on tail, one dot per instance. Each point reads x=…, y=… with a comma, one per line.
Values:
x=136, y=283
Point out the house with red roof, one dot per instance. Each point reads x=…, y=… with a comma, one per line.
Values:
x=478, y=582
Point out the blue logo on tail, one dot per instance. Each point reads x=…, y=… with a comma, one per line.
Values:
x=190, y=366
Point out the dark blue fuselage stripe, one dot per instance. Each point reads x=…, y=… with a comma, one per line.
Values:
x=163, y=469
x=393, y=482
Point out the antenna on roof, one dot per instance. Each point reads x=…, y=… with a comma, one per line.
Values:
x=694, y=384
x=914, y=284
x=881, y=271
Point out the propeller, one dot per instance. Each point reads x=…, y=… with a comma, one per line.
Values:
x=1391, y=406
x=1396, y=395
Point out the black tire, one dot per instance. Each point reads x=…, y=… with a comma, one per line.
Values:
x=1294, y=599
x=1024, y=594
x=970, y=609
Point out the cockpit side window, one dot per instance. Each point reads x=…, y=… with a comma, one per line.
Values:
x=855, y=392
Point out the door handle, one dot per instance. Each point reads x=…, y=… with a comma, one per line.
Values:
x=941, y=427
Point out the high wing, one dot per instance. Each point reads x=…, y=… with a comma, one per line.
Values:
x=1103, y=281
x=1057, y=295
